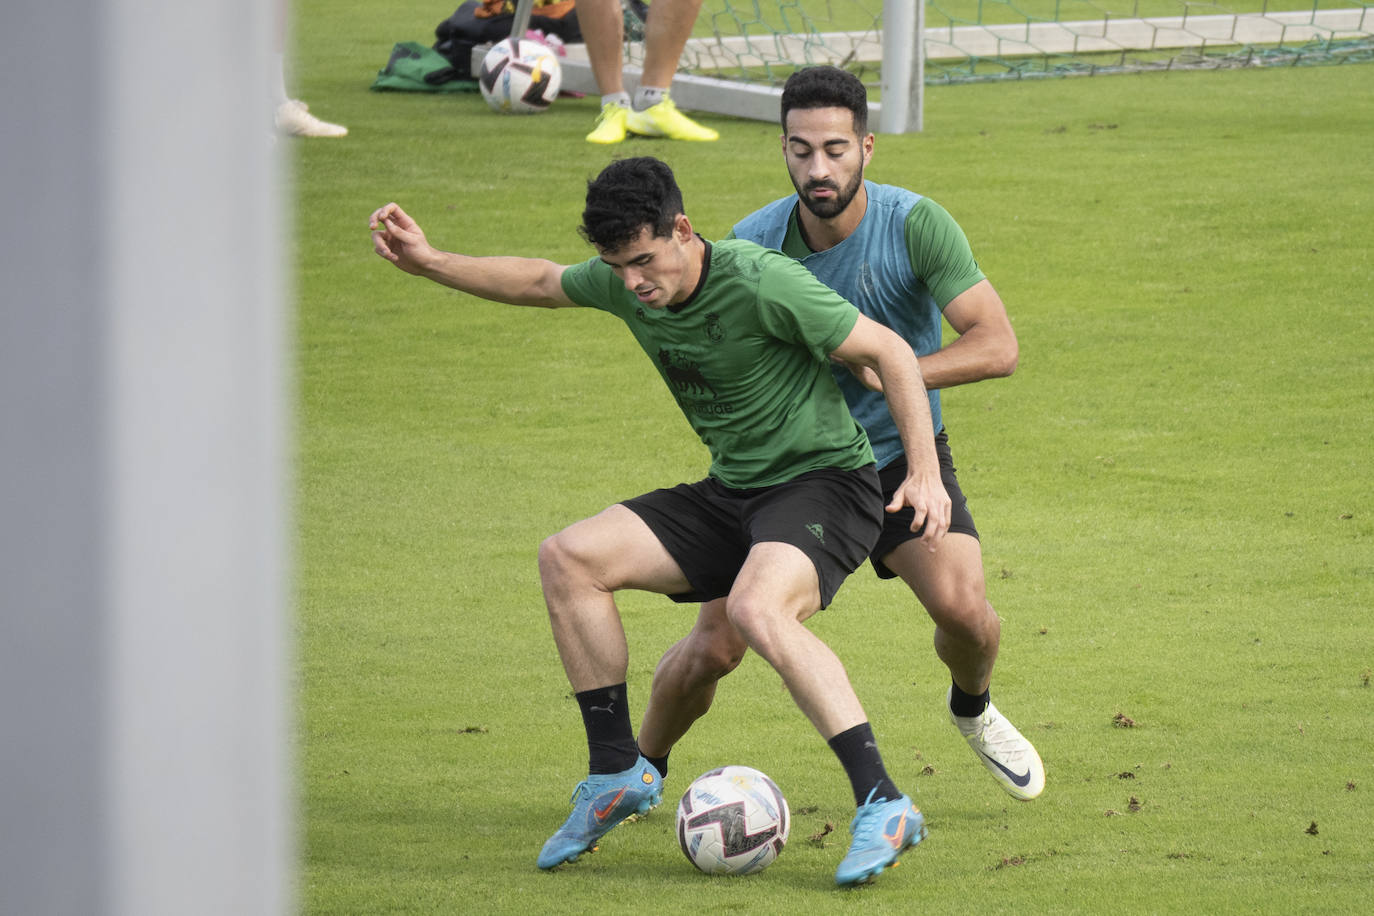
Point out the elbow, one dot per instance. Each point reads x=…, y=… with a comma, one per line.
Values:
x=1006, y=354
x=1007, y=360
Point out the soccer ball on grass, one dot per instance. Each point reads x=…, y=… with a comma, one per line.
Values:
x=732, y=821
x=523, y=79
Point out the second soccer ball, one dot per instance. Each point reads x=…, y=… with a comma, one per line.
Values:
x=521, y=79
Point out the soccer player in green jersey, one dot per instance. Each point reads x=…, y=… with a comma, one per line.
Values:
x=903, y=261
x=743, y=337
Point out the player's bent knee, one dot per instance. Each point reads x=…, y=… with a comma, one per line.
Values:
x=716, y=655
x=552, y=556
x=756, y=622
x=971, y=622
x=561, y=560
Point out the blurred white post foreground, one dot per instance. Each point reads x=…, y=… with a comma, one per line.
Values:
x=144, y=765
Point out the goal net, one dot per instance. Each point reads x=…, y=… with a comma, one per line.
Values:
x=742, y=50
x=1014, y=39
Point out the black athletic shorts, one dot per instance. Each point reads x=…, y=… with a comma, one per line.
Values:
x=832, y=516
x=897, y=527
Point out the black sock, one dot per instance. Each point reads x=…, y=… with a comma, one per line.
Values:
x=966, y=705
x=611, y=744
x=859, y=756
x=660, y=763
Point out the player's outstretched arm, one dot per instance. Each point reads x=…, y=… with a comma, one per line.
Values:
x=876, y=347
x=397, y=238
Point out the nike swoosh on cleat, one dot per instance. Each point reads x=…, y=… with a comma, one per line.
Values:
x=602, y=813
x=1020, y=780
x=895, y=838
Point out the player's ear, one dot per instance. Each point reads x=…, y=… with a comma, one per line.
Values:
x=682, y=228
x=869, y=140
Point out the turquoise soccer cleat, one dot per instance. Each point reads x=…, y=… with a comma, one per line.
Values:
x=599, y=803
x=882, y=830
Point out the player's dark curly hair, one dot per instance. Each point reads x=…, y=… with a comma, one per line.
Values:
x=628, y=195
x=826, y=87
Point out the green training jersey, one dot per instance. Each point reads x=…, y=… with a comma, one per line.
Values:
x=747, y=358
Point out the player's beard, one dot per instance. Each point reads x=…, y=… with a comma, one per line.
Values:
x=828, y=208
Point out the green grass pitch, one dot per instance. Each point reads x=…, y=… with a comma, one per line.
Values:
x=1174, y=490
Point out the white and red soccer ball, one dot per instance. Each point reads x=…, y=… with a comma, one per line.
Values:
x=522, y=79
x=732, y=821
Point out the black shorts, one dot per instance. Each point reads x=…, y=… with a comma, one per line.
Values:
x=832, y=516
x=897, y=527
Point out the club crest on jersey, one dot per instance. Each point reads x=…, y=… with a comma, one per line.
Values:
x=684, y=375
x=715, y=332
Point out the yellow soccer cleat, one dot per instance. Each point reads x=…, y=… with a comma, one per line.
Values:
x=610, y=124
x=664, y=120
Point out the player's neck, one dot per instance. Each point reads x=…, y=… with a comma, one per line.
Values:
x=694, y=267
x=822, y=234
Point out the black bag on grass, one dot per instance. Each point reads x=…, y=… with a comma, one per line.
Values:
x=476, y=23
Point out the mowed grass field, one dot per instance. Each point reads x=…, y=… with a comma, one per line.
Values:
x=1174, y=490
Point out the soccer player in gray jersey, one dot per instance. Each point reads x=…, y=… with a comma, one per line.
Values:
x=743, y=337
x=903, y=261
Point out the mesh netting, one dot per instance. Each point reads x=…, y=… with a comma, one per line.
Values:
x=975, y=40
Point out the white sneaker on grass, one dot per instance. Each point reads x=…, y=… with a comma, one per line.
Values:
x=1009, y=757
x=294, y=119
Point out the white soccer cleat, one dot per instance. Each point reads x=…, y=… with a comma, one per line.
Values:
x=294, y=119
x=1009, y=757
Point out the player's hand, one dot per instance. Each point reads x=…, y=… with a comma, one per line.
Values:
x=399, y=239
x=929, y=499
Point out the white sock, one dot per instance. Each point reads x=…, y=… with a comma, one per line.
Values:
x=648, y=97
x=620, y=98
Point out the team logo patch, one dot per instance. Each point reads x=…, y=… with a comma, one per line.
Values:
x=714, y=331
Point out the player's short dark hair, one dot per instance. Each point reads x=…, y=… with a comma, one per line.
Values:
x=826, y=87
x=628, y=195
